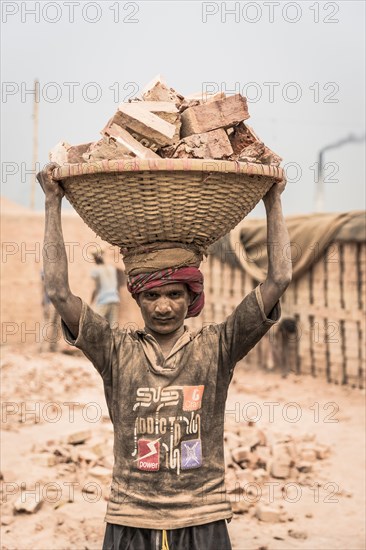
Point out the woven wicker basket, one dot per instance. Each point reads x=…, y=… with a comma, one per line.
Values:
x=130, y=203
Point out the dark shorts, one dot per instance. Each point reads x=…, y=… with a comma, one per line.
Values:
x=210, y=536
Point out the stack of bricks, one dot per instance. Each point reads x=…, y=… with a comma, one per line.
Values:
x=164, y=124
x=327, y=304
x=330, y=299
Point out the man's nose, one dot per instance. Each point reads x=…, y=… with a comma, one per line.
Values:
x=163, y=306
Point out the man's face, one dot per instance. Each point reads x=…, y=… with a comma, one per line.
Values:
x=164, y=308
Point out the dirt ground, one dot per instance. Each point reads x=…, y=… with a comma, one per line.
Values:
x=46, y=397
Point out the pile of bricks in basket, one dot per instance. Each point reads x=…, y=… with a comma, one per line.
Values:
x=165, y=124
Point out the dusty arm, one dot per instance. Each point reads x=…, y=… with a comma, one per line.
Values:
x=279, y=265
x=54, y=254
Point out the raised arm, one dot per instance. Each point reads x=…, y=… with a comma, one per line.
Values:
x=54, y=254
x=279, y=264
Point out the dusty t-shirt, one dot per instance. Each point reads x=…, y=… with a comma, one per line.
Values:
x=168, y=414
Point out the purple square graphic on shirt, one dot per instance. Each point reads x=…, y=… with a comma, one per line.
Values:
x=191, y=454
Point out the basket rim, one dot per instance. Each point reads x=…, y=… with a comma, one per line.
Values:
x=165, y=165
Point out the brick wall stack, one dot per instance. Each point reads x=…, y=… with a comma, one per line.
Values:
x=328, y=303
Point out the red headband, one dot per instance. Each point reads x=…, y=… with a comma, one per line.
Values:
x=190, y=276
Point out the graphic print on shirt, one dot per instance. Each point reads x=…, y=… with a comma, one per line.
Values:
x=192, y=397
x=191, y=454
x=148, y=458
x=161, y=440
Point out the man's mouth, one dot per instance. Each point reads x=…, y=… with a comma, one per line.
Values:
x=163, y=319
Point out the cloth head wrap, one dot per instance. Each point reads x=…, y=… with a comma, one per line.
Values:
x=190, y=276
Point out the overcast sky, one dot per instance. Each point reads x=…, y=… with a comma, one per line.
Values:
x=300, y=64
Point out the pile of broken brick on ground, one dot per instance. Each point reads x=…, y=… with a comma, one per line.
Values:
x=254, y=458
x=164, y=124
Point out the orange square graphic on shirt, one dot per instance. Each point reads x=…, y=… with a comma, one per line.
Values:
x=192, y=397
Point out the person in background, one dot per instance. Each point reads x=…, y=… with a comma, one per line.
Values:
x=108, y=279
x=286, y=342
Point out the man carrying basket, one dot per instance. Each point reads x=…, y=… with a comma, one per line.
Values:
x=166, y=388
